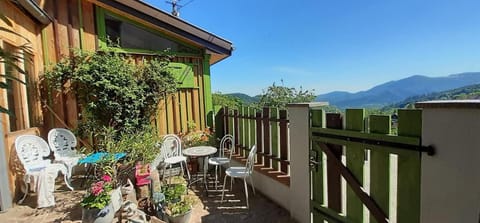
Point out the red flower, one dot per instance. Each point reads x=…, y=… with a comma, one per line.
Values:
x=106, y=178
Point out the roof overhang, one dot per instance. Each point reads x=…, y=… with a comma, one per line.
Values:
x=34, y=10
x=218, y=47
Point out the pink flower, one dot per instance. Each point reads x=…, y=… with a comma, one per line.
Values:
x=106, y=178
x=97, y=188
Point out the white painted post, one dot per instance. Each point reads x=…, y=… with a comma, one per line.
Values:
x=299, y=117
x=5, y=194
x=450, y=180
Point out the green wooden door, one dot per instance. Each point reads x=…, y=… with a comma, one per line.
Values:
x=379, y=165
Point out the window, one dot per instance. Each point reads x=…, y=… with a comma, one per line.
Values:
x=131, y=36
x=13, y=93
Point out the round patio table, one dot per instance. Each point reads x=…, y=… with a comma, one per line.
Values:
x=201, y=151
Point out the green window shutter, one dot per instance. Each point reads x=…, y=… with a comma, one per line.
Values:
x=183, y=73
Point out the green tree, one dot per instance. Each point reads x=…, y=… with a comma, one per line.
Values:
x=280, y=96
x=223, y=100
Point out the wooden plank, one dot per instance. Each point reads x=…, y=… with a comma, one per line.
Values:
x=236, y=132
x=259, y=139
x=241, y=129
x=369, y=136
x=409, y=169
x=73, y=24
x=188, y=99
x=89, y=34
x=162, y=118
x=356, y=186
x=316, y=174
x=355, y=162
x=266, y=136
x=176, y=113
x=201, y=99
x=219, y=123
x=252, y=126
x=61, y=30
x=283, y=139
x=182, y=110
x=380, y=165
x=274, y=136
x=195, y=107
x=169, y=111
x=334, y=121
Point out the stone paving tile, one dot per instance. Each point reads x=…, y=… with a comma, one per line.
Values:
x=207, y=208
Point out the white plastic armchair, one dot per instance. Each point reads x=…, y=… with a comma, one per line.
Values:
x=32, y=150
x=226, y=144
x=242, y=172
x=172, y=154
x=62, y=142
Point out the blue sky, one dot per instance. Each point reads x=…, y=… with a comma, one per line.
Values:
x=328, y=45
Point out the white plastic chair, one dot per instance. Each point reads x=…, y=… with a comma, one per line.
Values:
x=172, y=154
x=221, y=160
x=242, y=172
x=31, y=150
x=62, y=142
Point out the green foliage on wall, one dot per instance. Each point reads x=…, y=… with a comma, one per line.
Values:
x=111, y=89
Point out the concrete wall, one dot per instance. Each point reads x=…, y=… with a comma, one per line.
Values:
x=295, y=198
x=450, y=190
x=299, y=116
x=274, y=190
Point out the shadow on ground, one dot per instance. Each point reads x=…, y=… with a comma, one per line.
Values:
x=234, y=208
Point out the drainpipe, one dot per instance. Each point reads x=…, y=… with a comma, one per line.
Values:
x=5, y=195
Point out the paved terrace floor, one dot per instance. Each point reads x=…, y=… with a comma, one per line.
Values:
x=207, y=208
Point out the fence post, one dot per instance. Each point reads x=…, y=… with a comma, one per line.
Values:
x=334, y=121
x=450, y=181
x=258, y=119
x=299, y=117
x=283, y=140
x=236, y=135
x=266, y=137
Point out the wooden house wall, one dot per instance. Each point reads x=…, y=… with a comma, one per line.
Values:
x=27, y=28
x=74, y=26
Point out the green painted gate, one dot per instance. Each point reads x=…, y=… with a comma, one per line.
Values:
x=363, y=170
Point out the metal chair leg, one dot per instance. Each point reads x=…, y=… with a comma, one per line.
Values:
x=253, y=186
x=224, y=182
x=216, y=177
x=246, y=190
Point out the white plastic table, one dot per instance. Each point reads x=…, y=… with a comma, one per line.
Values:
x=201, y=151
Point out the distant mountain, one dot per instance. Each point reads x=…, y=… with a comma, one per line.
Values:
x=246, y=99
x=468, y=92
x=395, y=91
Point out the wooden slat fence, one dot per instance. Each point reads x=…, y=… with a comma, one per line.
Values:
x=381, y=171
x=267, y=129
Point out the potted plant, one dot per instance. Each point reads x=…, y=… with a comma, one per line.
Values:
x=178, y=205
x=97, y=204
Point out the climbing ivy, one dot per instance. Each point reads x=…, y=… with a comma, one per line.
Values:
x=113, y=90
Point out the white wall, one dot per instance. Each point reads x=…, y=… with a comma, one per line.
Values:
x=450, y=183
x=299, y=116
x=274, y=190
